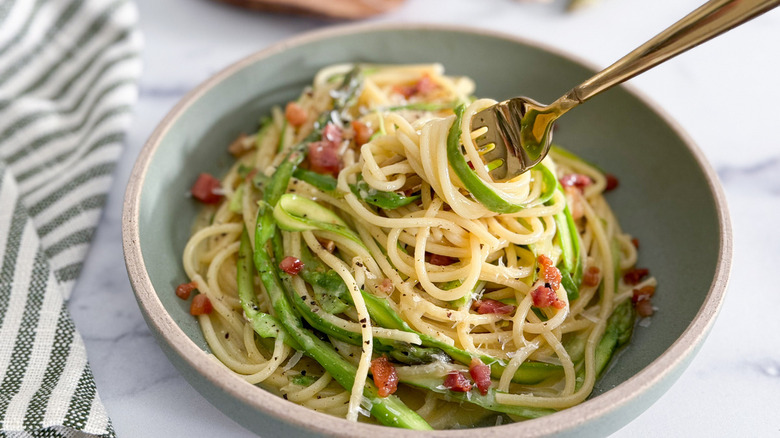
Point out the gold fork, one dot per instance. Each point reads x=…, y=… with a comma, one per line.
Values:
x=514, y=135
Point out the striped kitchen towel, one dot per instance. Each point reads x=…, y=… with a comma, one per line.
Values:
x=68, y=80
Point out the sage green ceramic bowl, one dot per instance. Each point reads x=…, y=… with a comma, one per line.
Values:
x=669, y=198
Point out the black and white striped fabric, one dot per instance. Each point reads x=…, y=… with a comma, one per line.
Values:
x=68, y=80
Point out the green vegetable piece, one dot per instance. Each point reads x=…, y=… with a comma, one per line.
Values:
x=325, y=183
x=549, y=181
x=381, y=199
x=460, y=302
x=377, y=198
x=471, y=181
x=265, y=325
x=572, y=290
x=296, y=213
x=569, y=243
x=243, y=171
x=236, y=201
x=282, y=137
x=620, y=326
x=301, y=380
x=329, y=289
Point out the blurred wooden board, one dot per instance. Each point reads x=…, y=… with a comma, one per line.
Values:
x=338, y=9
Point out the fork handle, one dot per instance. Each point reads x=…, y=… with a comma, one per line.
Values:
x=708, y=21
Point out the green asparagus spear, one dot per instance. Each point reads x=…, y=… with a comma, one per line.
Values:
x=264, y=324
x=620, y=325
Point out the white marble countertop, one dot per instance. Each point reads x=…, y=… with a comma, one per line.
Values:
x=732, y=388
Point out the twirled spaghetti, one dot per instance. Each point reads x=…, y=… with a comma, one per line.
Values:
x=347, y=250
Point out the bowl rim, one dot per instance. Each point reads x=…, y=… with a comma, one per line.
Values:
x=259, y=399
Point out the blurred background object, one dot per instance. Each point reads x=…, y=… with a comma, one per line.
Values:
x=339, y=9
x=570, y=5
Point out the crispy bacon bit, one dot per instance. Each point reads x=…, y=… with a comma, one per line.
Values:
x=641, y=299
x=295, y=114
x=184, y=290
x=548, y=271
x=644, y=293
x=480, y=373
x=592, y=276
x=323, y=155
x=363, y=132
x=635, y=275
x=440, y=260
x=644, y=308
x=332, y=133
x=385, y=376
x=543, y=296
x=201, y=305
x=456, y=381
x=386, y=285
x=577, y=180
x=291, y=265
x=635, y=242
x=612, y=182
x=207, y=189
x=492, y=306
x=425, y=85
x=239, y=146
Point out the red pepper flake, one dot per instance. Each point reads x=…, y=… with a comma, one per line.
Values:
x=456, y=381
x=577, y=180
x=295, y=114
x=184, y=290
x=291, y=265
x=440, y=260
x=641, y=299
x=362, y=131
x=480, y=373
x=635, y=242
x=492, y=306
x=385, y=376
x=612, y=182
x=201, y=305
x=592, y=276
x=635, y=275
x=548, y=271
x=207, y=189
x=543, y=296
